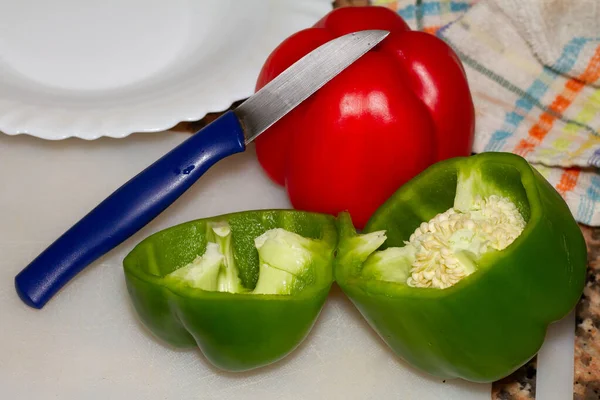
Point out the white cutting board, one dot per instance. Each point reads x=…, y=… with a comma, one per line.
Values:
x=87, y=343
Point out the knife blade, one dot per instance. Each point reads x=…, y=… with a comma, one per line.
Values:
x=302, y=79
x=147, y=194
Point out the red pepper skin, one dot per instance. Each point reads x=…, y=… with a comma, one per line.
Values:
x=398, y=109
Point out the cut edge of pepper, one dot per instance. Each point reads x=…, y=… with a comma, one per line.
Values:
x=375, y=287
x=329, y=237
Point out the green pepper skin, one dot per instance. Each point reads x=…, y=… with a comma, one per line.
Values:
x=493, y=321
x=236, y=332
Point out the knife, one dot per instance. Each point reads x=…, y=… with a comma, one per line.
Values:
x=146, y=195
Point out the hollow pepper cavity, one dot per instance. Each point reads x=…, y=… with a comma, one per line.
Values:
x=462, y=270
x=246, y=288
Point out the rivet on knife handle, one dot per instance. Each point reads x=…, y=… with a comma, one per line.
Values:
x=146, y=195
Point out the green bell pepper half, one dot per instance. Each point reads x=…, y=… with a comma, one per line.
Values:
x=235, y=331
x=493, y=321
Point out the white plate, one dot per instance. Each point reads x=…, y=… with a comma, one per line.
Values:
x=113, y=67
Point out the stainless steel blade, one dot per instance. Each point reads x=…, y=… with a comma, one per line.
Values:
x=301, y=79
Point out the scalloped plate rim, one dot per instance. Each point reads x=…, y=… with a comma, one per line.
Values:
x=188, y=110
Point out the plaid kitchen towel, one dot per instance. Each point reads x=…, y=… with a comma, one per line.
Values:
x=534, y=70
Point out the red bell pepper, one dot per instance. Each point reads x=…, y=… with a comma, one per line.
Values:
x=400, y=108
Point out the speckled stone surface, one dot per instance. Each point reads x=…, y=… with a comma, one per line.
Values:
x=518, y=386
x=521, y=385
x=587, y=339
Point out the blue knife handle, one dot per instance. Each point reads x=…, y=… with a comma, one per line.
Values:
x=128, y=209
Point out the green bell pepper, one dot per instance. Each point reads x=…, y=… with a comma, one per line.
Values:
x=246, y=288
x=471, y=292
